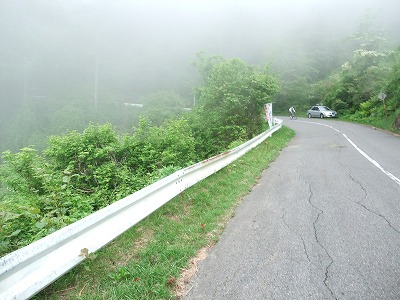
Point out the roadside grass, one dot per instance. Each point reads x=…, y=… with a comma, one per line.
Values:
x=149, y=260
x=385, y=123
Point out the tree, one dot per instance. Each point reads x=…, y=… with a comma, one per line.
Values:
x=392, y=88
x=205, y=64
x=231, y=104
x=355, y=86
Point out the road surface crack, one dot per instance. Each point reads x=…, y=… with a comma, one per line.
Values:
x=291, y=229
x=317, y=239
x=296, y=233
x=359, y=202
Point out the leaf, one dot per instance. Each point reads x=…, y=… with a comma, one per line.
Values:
x=84, y=252
x=31, y=210
x=35, y=210
x=40, y=225
x=92, y=256
x=15, y=233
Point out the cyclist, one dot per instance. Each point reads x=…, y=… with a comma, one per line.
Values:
x=292, y=112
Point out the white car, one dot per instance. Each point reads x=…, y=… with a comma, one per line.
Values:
x=319, y=111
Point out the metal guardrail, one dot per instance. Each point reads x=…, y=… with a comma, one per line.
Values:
x=25, y=272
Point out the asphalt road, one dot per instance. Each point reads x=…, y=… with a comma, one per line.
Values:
x=323, y=222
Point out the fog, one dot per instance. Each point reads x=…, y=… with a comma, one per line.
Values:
x=126, y=49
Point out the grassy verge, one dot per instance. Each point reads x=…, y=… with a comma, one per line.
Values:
x=147, y=261
x=385, y=123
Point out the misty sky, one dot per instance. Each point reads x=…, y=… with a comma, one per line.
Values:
x=144, y=43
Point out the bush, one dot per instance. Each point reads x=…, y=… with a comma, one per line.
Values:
x=340, y=106
x=23, y=171
x=83, y=172
x=230, y=106
x=151, y=148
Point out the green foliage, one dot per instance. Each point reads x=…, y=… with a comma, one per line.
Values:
x=393, y=85
x=81, y=172
x=71, y=116
x=87, y=159
x=161, y=106
x=373, y=111
x=359, y=80
x=37, y=200
x=146, y=261
x=231, y=104
x=17, y=222
x=205, y=64
x=356, y=88
x=353, y=88
x=293, y=92
x=363, y=77
x=151, y=148
x=121, y=274
x=175, y=143
x=24, y=129
x=23, y=171
x=339, y=105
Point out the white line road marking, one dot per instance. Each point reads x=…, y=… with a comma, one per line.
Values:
x=374, y=162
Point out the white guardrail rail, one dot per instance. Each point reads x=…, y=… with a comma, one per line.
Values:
x=25, y=272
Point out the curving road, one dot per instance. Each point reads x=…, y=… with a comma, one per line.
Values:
x=323, y=222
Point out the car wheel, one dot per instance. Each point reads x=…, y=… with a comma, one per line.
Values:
x=309, y=116
x=321, y=116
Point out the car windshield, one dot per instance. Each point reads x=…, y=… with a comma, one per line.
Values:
x=324, y=108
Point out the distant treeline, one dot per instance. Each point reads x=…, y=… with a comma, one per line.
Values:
x=355, y=87
x=80, y=172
